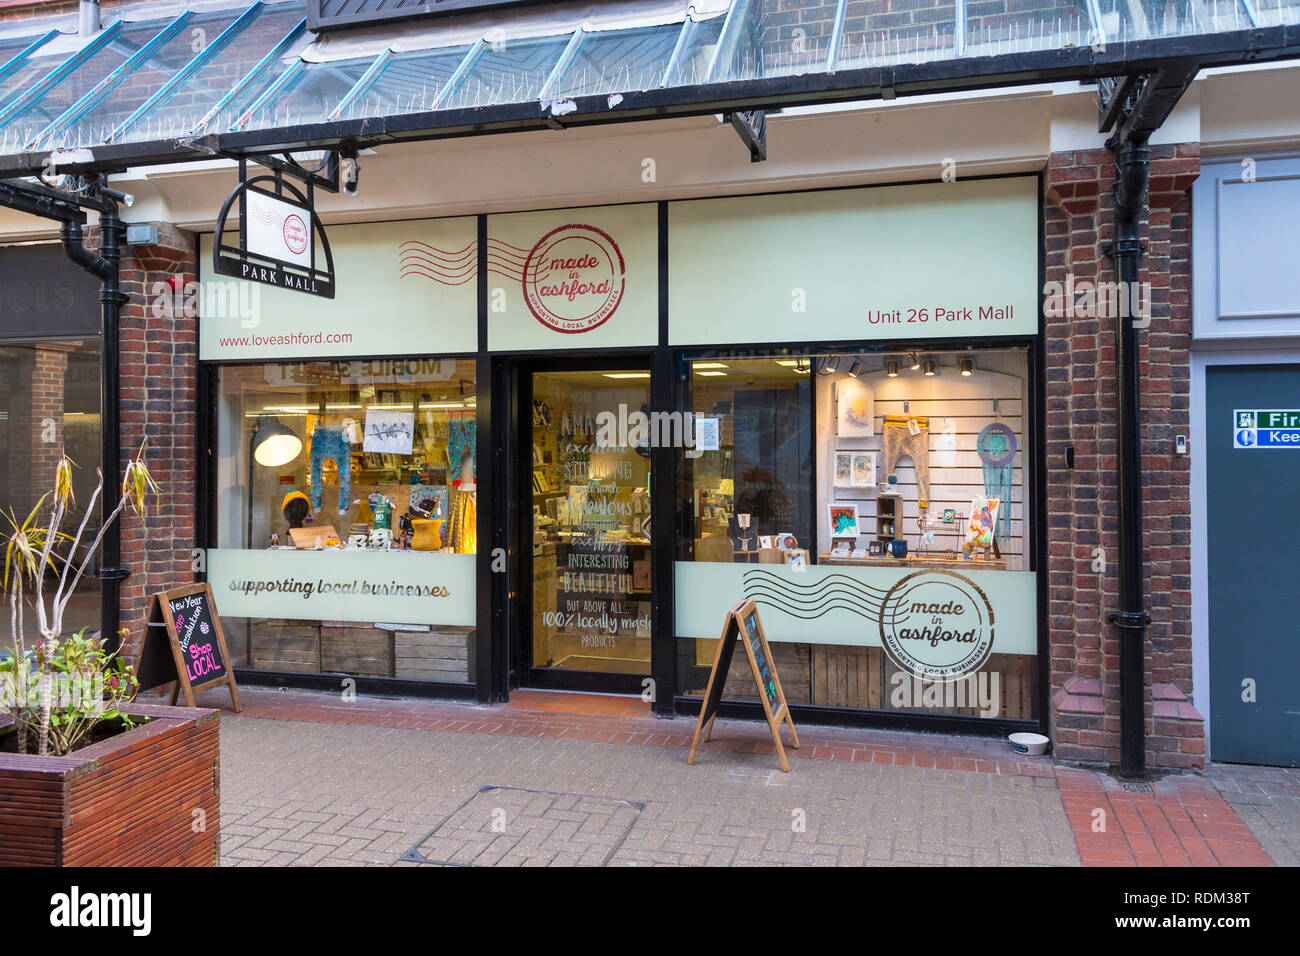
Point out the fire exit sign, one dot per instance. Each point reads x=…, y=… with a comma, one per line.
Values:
x=1266, y=428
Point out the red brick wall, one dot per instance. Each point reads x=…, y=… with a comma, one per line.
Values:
x=1082, y=503
x=158, y=368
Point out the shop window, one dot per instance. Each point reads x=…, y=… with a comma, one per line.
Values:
x=875, y=506
x=49, y=407
x=347, y=517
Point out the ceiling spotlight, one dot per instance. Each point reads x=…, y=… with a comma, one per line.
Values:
x=891, y=368
x=916, y=362
x=855, y=369
x=967, y=367
x=929, y=368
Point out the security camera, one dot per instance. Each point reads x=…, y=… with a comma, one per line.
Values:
x=350, y=172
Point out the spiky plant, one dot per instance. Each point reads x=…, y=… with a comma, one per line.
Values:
x=29, y=551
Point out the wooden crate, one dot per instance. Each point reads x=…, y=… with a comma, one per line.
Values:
x=356, y=649
x=280, y=645
x=442, y=654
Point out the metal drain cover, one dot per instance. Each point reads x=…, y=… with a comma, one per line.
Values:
x=510, y=826
x=1137, y=787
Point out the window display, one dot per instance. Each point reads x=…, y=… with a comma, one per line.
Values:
x=372, y=462
x=902, y=475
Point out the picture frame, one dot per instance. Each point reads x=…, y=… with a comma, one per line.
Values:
x=875, y=549
x=842, y=469
x=862, y=469
x=796, y=558
x=842, y=519
x=855, y=409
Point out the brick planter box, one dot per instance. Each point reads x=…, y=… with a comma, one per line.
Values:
x=125, y=801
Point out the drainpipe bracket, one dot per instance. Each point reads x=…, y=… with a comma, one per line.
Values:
x=1129, y=620
x=1125, y=247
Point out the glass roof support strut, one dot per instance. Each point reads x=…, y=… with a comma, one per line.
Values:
x=678, y=47
x=188, y=70
x=458, y=77
x=563, y=63
x=19, y=58
x=730, y=27
x=112, y=81
x=1249, y=6
x=290, y=74
x=272, y=55
x=959, y=29
x=837, y=34
x=1097, y=37
x=51, y=79
x=366, y=81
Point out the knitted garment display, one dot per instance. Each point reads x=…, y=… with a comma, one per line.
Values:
x=326, y=443
x=996, y=445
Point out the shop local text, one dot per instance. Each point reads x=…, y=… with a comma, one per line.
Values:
x=356, y=586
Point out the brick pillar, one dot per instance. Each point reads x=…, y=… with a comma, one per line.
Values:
x=1083, y=502
x=158, y=367
x=36, y=421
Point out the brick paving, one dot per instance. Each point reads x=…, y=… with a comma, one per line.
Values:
x=556, y=779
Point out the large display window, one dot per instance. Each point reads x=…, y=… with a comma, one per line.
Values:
x=346, y=517
x=874, y=505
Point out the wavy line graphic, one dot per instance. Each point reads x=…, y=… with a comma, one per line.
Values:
x=813, y=600
x=265, y=216
x=420, y=261
x=451, y=267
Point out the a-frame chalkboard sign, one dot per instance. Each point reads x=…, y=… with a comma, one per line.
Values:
x=742, y=624
x=193, y=657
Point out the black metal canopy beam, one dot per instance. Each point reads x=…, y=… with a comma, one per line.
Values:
x=966, y=73
x=36, y=200
x=1142, y=104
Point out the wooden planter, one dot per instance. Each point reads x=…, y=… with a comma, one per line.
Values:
x=129, y=800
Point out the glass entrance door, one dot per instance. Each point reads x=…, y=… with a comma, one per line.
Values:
x=590, y=496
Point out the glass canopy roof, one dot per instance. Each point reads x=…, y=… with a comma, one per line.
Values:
x=253, y=66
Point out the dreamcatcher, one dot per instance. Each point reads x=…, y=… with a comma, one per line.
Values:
x=996, y=445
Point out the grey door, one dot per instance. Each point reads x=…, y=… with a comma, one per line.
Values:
x=1253, y=508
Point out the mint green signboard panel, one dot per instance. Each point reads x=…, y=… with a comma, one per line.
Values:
x=892, y=262
x=399, y=587
x=938, y=622
x=574, y=278
x=401, y=288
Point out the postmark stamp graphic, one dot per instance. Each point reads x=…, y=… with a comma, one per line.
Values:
x=574, y=278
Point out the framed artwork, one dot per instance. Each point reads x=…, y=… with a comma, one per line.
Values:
x=862, y=470
x=841, y=544
x=796, y=558
x=765, y=541
x=843, y=520
x=855, y=409
x=949, y=515
x=875, y=548
x=843, y=469
x=983, y=521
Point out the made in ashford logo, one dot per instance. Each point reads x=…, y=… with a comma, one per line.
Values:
x=937, y=623
x=574, y=278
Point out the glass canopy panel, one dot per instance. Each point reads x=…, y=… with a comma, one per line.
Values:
x=45, y=109
x=611, y=61
x=510, y=71
x=1148, y=19
x=145, y=79
x=767, y=38
x=310, y=95
x=188, y=103
x=888, y=32
x=10, y=47
x=697, y=53
x=409, y=83
x=1276, y=13
x=995, y=27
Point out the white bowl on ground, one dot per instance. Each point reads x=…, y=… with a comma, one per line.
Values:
x=1031, y=745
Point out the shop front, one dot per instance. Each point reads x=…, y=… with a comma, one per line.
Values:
x=552, y=448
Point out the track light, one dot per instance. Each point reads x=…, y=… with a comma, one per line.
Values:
x=891, y=368
x=916, y=362
x=855, y=369
x=967, y=367
x=929, y=368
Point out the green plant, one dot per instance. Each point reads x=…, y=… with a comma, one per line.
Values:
x=28, y=693
x=90, y=685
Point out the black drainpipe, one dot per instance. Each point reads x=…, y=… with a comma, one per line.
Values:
x=105, y=266
x=1133, y=163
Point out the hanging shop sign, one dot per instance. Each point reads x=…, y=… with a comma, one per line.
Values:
x=741, y=624
x=1266, y=428
x=935, y=260
x=281, y=242
x=194, y=657
x=574, y=278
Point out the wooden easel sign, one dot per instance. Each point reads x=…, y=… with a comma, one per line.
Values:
x=742, y=624
x=198, y=659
